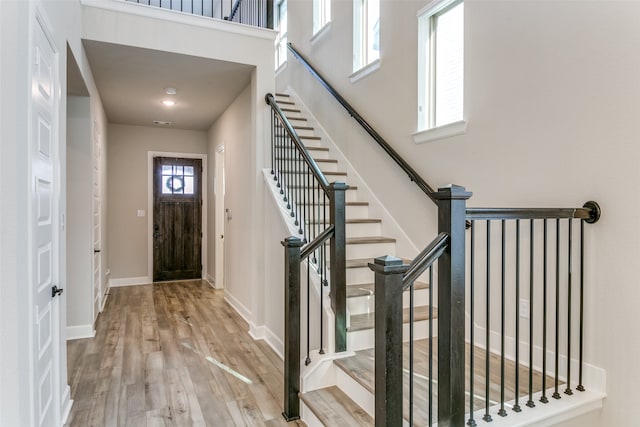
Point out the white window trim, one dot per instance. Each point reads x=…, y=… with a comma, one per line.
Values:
x=440, y=132
x=320, y=33
x=361, y=40
x=365, y=71
x=321, y=29
x=426, y=133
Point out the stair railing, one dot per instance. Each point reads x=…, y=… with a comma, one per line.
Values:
x=194, y=7
x=258, y=13
x=404, y=165
x=317, y=208
x=551, y=283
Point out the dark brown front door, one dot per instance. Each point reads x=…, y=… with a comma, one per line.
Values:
x=177, y=219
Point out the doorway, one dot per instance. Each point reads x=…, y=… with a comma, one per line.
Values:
x=177, y=218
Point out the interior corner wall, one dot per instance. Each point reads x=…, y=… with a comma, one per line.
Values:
x=127, y=190
x=14, y=296
x=79, y=288
x=232, y=131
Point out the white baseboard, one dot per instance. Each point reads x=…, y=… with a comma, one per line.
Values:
x=130, y=281
x=211, y=280
x=66, y=405
x=79, y=332
x=240, y=308
x=266, y=334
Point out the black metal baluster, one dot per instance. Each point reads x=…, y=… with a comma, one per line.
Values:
x=530, y=402
x=472, y=275
x=273, y=143
x=555, y=394
x=516, y=406
x=321, y=318
x=430, y=346
x=568, y=390
x=487, y=416
x=580, y=387
x=543, y=398
x=411, y=318
x=501, y=411
x=307, y=360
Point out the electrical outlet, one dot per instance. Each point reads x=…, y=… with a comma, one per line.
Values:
x=524, y=308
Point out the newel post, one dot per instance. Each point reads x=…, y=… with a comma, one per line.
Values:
x=292, y=251
x=451, y=306
x=388, y=340
x=338, y=266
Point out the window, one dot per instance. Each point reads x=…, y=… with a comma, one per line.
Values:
x=321, y=14
x=281, y=38
x=366, y=33
x=441, y=64
x=177, y=179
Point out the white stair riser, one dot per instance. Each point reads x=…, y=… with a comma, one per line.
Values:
x=350, y=195
x=309, y=417
x=366, y=304
x=352, y=212
x=361, y=340
x=363, y=229
x=360, y=395
x=370, y=250
x=359, y=275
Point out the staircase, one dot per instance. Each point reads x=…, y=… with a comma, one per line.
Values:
x=343, y=404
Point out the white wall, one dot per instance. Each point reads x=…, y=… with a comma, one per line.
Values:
x=63, y=19
x=551, y=94
x=128, y=178
x=79, y=287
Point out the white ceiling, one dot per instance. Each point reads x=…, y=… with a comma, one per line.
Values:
x=132, y=81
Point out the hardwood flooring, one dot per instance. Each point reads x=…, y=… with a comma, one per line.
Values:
x=173, y=354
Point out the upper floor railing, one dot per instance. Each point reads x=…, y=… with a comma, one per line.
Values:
x=258, y=13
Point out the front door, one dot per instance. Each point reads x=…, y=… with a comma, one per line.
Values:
x=177, y=219
x=44, y=220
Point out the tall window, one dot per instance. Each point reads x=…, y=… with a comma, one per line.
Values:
x=321, y=14
x=366, y=32
x=281, y=38
x=441, y=64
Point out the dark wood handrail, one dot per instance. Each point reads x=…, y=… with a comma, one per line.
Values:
x=590, y=212
x=413, y=175
x=315, y=169
x=425, y=259
x=318, y=241
x=234, y=10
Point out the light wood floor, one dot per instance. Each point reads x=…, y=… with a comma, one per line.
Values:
x=173, y=354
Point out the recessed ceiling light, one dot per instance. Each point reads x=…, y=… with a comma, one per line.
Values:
x=161, y=123
x=169, y=103
x=170, y=91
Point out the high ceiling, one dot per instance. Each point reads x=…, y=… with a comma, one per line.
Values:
x=132, y=82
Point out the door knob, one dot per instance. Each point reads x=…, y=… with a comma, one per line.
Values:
x=56, y=291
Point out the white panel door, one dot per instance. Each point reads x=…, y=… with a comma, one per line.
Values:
x=44, y=229
x=97, y=258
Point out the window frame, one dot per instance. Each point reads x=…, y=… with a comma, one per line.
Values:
x=281, y=39
x=427, y=34
x=361, y=38
x=321, y=16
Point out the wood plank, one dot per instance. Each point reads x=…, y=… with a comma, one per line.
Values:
x=334, y=408
x=149, y=363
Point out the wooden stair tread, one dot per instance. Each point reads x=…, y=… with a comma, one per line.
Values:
x=313, y=137
x=291, y=110
x=335, y=173
x=364, y=321
x=368, y=240
x=353, y=221
x=283, y=95
x=366, y=289
x=334, y=408
x=346, y=203
x=285, y=102
x=308, y=148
